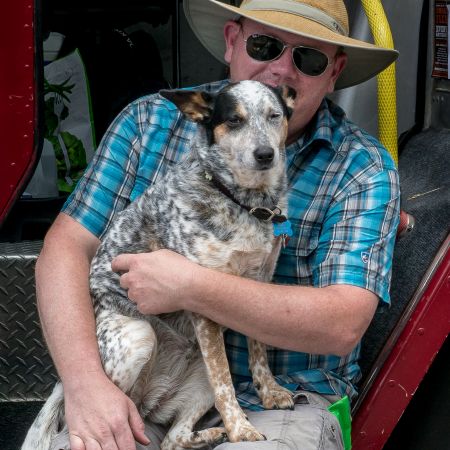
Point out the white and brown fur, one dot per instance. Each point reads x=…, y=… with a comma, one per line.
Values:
x=174, y=366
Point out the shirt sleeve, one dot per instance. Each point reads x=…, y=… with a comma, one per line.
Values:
x=107, y=182
x=146, y=137
x=357, y=239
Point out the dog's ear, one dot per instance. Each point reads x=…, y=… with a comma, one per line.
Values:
x=195, y=105
x=288, y=94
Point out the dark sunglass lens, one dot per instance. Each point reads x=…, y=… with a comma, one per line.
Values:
x=263, y=48
x=310, y=61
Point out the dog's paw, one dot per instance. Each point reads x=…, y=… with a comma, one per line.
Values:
x=276, y=397
x=244, y=431
x=215, y=436
x=194, y=439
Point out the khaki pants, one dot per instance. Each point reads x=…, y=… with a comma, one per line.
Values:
x=309, y=427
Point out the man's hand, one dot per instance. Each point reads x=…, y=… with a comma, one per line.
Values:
x=157, y=282
x=101, y=417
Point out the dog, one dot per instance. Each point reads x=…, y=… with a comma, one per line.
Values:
x=218, y=207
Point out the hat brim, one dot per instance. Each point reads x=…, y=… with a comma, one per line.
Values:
x=208, y=17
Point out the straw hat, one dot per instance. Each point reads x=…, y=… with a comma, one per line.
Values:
x=323, y=20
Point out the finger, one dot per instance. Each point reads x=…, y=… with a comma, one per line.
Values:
x=92, y=444
x=125, y=439
x=98, y=443
x=121, y=263
x=122, y=434
x=103, y=439
x=124, y=281
x=137, y=425
x=76, y=443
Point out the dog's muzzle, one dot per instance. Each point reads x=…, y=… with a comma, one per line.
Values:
x=264, y=156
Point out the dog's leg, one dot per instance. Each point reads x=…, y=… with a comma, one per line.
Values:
x=272, y=395
x=181, y=436
x=190, y=411
x=210, y=337
x=127, y=346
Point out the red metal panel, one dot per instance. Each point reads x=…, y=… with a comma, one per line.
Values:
x=17, y=99
x=407, y=364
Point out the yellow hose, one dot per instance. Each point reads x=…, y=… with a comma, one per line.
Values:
x=387, y=95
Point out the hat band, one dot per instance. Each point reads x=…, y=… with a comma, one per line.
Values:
x=299, y=9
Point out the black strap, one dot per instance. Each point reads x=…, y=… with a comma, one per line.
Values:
x=265, y=214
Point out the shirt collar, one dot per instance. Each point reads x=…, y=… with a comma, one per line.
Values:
x=323, y=128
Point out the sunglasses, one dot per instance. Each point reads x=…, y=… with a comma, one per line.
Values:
x=309, y=61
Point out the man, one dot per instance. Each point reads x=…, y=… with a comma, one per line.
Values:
x=344, y=205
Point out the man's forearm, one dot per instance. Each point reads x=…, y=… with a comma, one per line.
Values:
x=65, y=307
x=327, y=320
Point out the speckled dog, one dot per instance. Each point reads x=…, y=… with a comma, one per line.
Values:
x=217, y=207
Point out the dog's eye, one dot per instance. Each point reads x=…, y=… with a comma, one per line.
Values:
x=275, y=116
x=234, y=121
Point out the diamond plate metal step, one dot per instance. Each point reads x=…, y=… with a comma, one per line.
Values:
x=26, y=369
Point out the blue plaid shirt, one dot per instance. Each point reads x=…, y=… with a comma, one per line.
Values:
x=343, y=205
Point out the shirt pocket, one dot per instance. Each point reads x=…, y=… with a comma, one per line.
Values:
x=306, y=238
x=296, y=261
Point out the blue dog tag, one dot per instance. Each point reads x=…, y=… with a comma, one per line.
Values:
x=284, y=228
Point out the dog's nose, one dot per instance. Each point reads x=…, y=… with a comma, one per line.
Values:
x=264, y=154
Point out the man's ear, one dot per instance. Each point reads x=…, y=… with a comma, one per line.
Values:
x=231, y=32
x=339, y=64
x=288, y=95
x=195, y=105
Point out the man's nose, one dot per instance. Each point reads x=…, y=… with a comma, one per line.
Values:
x=284, y=64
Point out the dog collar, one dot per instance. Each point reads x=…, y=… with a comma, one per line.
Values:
x=273, y=214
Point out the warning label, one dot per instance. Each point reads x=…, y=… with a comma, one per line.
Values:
x=441, y=41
